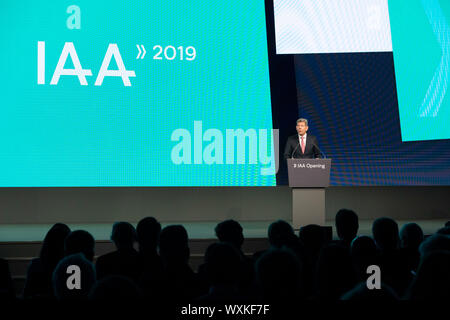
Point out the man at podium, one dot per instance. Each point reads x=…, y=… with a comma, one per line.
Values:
x=302, y=145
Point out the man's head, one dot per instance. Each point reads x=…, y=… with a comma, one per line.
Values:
x=302, y=126
x=80, y=241
x=347, y=224
x=230, y=231
x=385, y=233
x=123, y=235
x=148, y=230
x=173, y=245
x=280, y=233
x=411, y=236
x=82, y=277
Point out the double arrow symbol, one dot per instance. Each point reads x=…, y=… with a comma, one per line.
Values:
x=139, y=54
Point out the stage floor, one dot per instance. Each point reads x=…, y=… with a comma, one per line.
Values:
x=196, y=230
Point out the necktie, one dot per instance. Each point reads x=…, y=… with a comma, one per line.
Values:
x=302, y=143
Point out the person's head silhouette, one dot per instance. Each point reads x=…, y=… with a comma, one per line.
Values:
x=80, y=241
x=52, y=250
x=411, y=236
x=173, y=245
x=73, y=277
x=436, y=242
x=123, y=235
x=346, y=225
x=148, y=230
x=312, y=236
x=385, y=234
x=230, y=231
x=280, y=233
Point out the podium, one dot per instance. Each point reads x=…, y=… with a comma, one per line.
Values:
x=308, y=179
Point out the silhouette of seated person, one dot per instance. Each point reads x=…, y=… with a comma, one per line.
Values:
x=230, y=231
x=393, y=262
x=116, y=289
x=364, y=253
x=280, y=233
x=124, y=261
x=361, y=293
x=346, y=226
x=436, y=242
x=6, y=284
x=38, y=283
x=80, y=241
x=432, y=282
x=411, y=236
x=78, y=290
x=334, y=274
x=313, y=239
x=178, y=283
x=279, y=278
x=148, y=230
x=222, y=268
x=444, y=231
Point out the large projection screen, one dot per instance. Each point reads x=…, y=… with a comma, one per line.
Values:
x=135, y=93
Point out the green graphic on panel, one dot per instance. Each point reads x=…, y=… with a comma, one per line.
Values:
x=421, y=45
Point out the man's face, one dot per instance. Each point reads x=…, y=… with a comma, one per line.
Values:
x=301, y=128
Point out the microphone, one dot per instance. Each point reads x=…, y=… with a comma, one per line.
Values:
x=292, y=155
x=324, y=155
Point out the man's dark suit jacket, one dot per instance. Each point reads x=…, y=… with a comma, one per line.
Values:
x=293, y=143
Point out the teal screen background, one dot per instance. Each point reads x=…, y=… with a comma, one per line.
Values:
x=111, y=135
x=421, y=46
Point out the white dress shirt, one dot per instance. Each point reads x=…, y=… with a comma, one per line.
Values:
x=300, y=140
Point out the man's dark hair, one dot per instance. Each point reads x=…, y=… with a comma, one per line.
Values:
x=123, y=235
x=230, y=231
x=385, y=233
x=148, y=230
x=411, y=236
x=52, y=250
x=346, y=224
x=173, y=244
x=80, y=241
x=280, y=233
x=436, y=242
x=444, y=231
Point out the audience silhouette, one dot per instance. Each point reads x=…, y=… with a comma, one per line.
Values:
x=293, y=269
x=279, y=276
x=347, y=225
x=39, y=274
x=125, y=260
x=80, y=241
x=222, y=270
x=411, y=236
x=86, y=276
x=393, y=262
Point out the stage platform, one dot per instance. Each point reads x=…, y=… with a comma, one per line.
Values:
x=196, y=230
